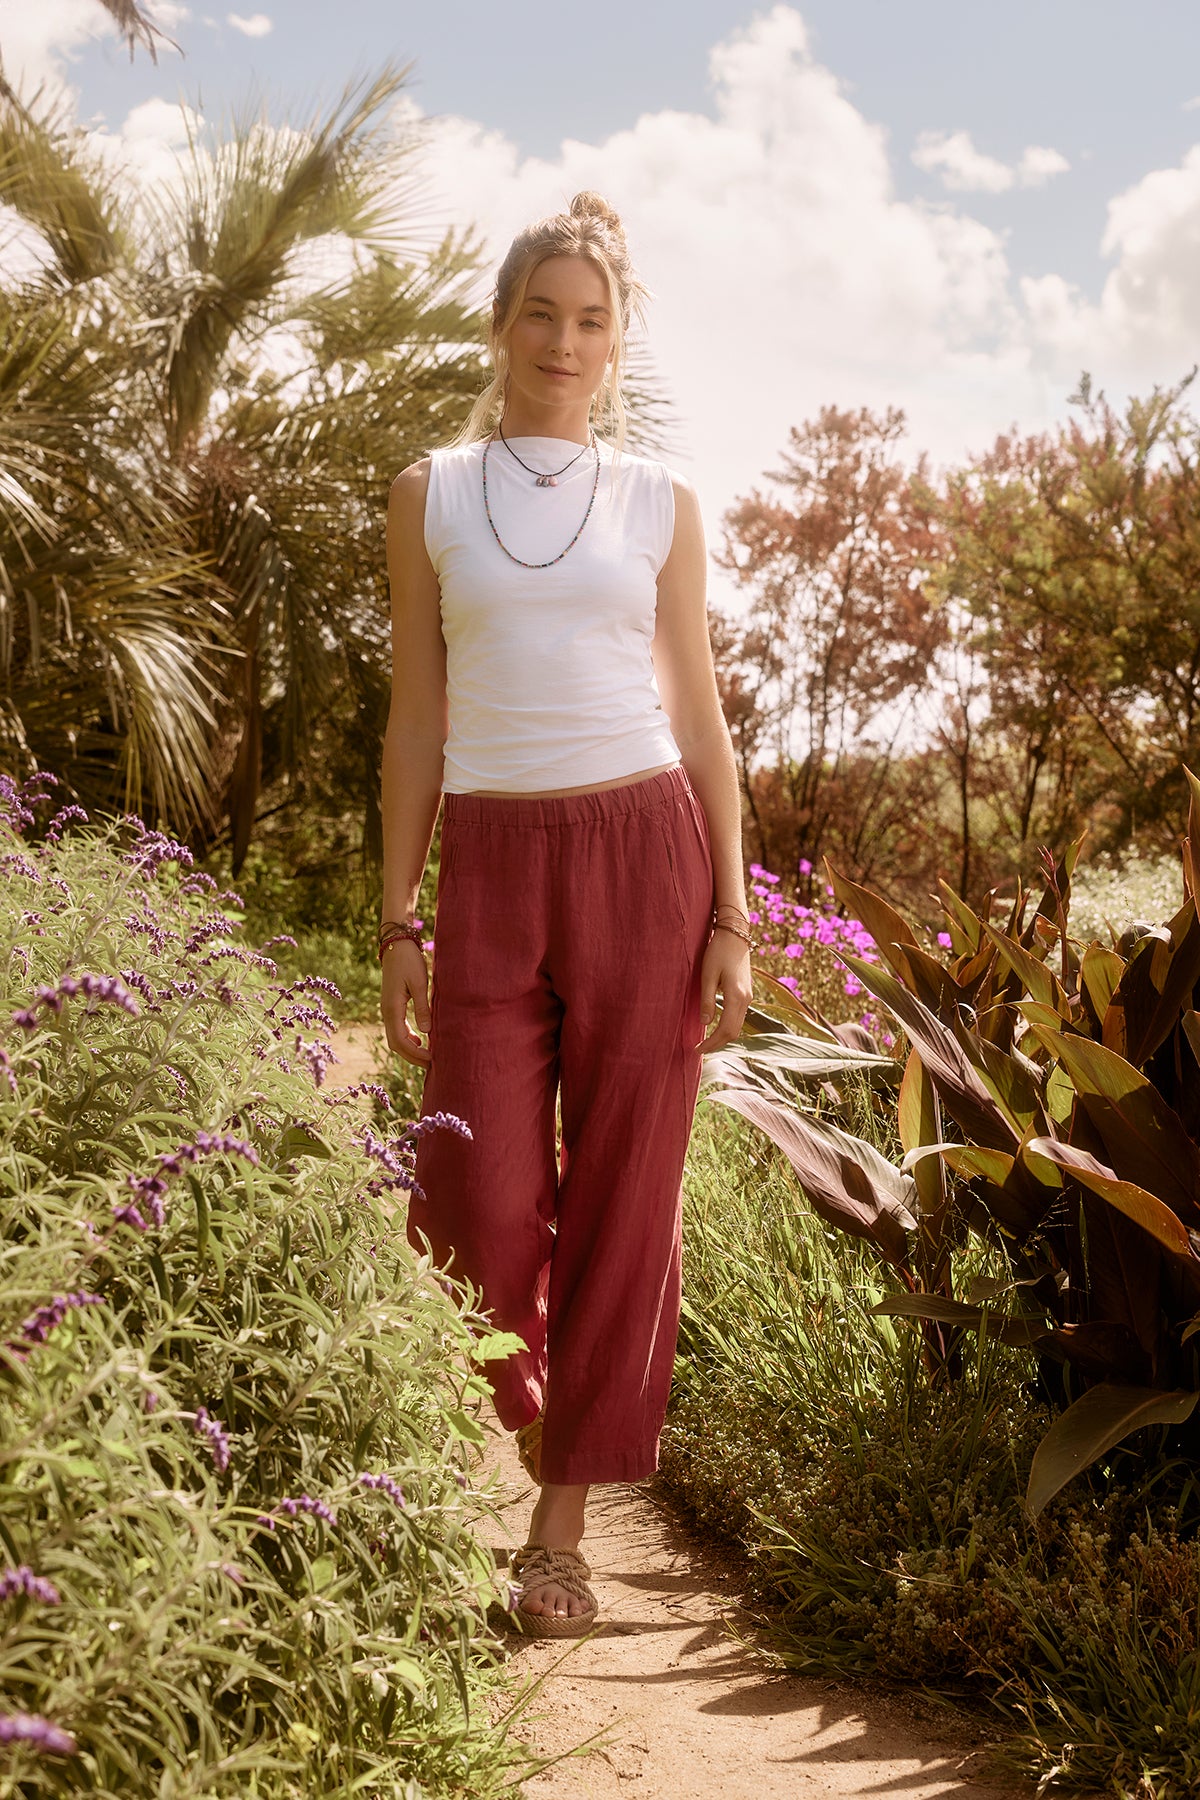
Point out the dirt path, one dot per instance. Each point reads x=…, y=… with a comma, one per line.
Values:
x=685, y=1711
x=688, y=1713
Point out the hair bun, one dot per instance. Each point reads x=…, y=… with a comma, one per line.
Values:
x=588, y=205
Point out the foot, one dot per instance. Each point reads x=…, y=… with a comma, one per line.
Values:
x=546, y=1600
x=555, y=1600
x=558, y=1522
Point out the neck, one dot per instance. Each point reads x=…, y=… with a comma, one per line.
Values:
x=522, y=419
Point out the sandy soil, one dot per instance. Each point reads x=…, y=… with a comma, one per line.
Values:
x=684, y=1710
x=687, y=1712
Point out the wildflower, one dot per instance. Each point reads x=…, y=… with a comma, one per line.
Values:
x=60, y=821
x=32, y=1728
x=232, y=1573
x=38, y=1326
x=945, y=940
x=133, y=978
x=150, y=1191
x=107, y=988
x=385, y=1485
x=22, y=1580
x=439, y=1121
x=318, y=1055
x=303, y=1503
x=204, y=1425
x=280, y=938
x=804, y=866
x=7, y=1068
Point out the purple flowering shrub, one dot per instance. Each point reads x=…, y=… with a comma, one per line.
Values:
x=236, y=1425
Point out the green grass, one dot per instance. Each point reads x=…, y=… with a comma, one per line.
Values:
x=883, y=1516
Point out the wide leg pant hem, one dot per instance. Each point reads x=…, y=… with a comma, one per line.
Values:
x=592, y=1467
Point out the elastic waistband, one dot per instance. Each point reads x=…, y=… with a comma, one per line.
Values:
x=651, y=795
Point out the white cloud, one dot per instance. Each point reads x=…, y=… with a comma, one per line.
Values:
x=1143, y=328
x=256, y=26
x=789, y=274
x=966, y=170
x=37, y=39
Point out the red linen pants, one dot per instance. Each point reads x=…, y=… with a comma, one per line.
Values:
x=567, y=964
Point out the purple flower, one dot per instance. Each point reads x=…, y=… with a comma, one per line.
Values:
x=150, y=1191
x=22, y=1580
x=204, y=1425
x=107, y=988
x=438, y=1121
x=31, y=1728
x=303, y=1503
x=385, y=1485
x=38, y=1326
x=804, y=866
x=945, y=940
x=279, y=938
x=318, y=1055
x=7, y=1068
x=61, y=820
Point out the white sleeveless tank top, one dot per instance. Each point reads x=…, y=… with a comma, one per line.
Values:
x=548, y=672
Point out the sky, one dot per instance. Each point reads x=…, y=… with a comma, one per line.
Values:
x=950, y=208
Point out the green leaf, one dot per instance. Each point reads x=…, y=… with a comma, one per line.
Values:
x=300, y=1140
x=1039, y=982
x=1145, y=1140
x=1018, y=1333
x=463, y=1426
x=1099, y=974
x=1144, y=1208
x=496, y=1345
x=1100, y=1418
x=960, y=1087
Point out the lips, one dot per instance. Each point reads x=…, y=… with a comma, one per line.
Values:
x=559, y=374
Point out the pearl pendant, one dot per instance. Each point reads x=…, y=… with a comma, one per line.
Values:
x=547, y=481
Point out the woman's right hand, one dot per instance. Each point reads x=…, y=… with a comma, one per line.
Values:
x=405, y=980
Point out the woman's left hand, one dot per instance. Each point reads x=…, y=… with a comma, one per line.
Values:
x=725, y=971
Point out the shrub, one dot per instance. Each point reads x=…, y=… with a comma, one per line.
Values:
x=884, y=1519
x=236, y=1413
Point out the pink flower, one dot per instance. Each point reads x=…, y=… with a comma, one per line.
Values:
x=945, y=940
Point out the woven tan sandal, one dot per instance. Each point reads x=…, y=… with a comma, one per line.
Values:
x=535, y=1566
x=529, y=1449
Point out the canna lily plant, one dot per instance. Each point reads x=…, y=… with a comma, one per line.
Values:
x=1047, y=1098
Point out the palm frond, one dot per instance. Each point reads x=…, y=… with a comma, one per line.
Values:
x=66, y=194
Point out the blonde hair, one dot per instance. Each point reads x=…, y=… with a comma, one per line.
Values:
x=589, y=229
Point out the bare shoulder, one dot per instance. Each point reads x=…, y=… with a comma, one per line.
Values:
x=689, y=527
x=406, y=498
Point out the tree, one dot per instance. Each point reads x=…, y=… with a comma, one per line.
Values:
x=1077, y=559
x=820, y=678
x=206, y=392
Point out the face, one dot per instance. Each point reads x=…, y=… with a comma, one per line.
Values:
x=562, y=337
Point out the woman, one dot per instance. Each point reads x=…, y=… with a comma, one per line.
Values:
x=553, y=678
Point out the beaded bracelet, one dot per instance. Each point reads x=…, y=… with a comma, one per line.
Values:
x=393, y=932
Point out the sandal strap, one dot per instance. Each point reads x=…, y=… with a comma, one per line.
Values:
x=537, y=1565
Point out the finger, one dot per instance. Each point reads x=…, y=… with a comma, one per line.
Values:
x=708, y=1007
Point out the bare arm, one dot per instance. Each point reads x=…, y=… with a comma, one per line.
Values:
x=688, y=685
x=413, y=750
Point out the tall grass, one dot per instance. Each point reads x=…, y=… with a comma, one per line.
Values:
x=884, y=1518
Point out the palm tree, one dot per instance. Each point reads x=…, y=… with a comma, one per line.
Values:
x=217, y=382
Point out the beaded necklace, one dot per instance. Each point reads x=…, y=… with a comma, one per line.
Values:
x=554, y=559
